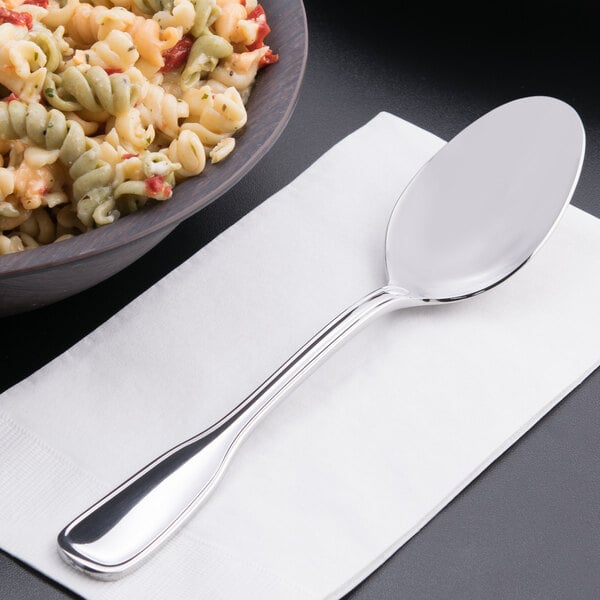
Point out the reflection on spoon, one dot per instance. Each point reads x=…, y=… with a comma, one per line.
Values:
x=472, y=216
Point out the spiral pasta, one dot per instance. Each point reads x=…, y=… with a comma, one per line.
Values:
x=52, y=46
x=204, y=56
x=151, y=7
x=7, y=187
x=26, y=57
x=162, y=110
x=231, y=20
x=80, y=20
x=89, y=173
x=239, y=70
x=39, y=227
x=181, y=14
x=206, y=13
x=188, y=151
x=47, y=129
x=114, y=53
x=216, y=116
x=92, y=89
x=132, y=134
x=152, y=41
x=86, y=24
x=106, y=105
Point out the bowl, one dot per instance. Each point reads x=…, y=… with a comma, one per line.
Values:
x=41, y=276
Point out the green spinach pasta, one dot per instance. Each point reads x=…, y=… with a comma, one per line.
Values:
x=107, y=104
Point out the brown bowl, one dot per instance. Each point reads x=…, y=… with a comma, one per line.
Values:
x=43, y=275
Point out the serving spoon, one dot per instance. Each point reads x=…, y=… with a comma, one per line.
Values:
x=473, y=215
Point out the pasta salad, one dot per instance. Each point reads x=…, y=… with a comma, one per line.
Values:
x=107, y=104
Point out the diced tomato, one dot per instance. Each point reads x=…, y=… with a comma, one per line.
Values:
x=259, y=11
x=261, y=34
x=259, y=16
x=42, y=3
x=10, y=98
x=21, y=19
x=178, y=54
x=128, y=155
x=268, y=59
x=156, y=186
x=111, y=71
x=243, y=2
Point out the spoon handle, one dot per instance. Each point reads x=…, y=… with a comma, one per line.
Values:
x=120, y=530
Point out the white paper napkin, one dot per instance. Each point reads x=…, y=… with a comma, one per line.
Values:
x=361, y=455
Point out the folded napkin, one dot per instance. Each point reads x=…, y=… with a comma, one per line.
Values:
x=358, y=457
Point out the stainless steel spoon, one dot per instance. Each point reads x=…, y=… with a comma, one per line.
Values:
x=471, y=217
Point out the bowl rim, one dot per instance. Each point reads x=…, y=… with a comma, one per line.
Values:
x=104, y=240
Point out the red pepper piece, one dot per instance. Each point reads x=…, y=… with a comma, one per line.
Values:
x=259, y=11
x=262, y=33
x=259, y=16
x=42, y=3
x=10, y=98
x=178, y=54
x=268, y=59
x=21, y=19
x=111, y=70
x=126, y=156
x=154, y=185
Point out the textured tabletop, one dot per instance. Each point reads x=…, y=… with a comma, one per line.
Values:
x=528, y=527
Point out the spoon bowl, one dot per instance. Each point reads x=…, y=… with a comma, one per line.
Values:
x=486, y=201
x=472, y=216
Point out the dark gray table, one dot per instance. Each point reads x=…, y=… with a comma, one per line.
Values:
x=529, y=526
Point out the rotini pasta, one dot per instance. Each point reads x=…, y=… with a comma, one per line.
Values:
x=92, y=89
x=187, y=150
x=204, y=56
x=106, y=105
x=162, y=110
x=216, y=116
x=114, y=53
